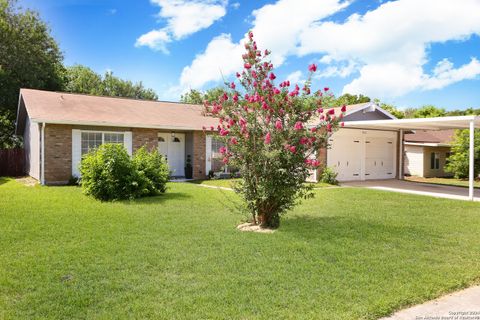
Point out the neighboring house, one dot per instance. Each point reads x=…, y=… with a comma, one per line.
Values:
x=58, y=128
x=427, y=152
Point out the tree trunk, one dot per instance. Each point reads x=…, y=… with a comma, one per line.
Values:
x=269, y=220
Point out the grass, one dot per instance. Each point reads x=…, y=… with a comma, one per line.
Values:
x=227, y=183
x=444, y=181
x=347, y=254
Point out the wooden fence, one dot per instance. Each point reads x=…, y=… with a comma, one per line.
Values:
x=12, y=162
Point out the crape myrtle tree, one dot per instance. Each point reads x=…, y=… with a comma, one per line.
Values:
x=271, y=134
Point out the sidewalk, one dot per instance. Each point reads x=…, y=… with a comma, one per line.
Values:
x=461, y=305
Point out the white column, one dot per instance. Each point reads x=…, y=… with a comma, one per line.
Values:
x=42, y=158
x=471, y=160
x=400, y=154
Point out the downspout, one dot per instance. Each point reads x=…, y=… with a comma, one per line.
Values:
x=42, y=157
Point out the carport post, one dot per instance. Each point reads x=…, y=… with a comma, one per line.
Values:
x=400, y=156
x=471, y=160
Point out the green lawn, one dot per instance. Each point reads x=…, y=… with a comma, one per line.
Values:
x=444, y=181
x=347, y=254
x=227, y=183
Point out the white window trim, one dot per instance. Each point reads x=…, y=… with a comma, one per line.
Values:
x=127, y=143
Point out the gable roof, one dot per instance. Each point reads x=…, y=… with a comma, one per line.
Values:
x=443, y=137
x=68, y=108
x=82, y=109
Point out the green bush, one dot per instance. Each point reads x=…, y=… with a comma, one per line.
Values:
x=153, y=168
x=328, y=176
x=108, y=173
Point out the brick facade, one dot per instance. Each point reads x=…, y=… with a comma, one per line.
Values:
x=144, y=137
x=58, y=153
x=58, y=149
x=199, y=154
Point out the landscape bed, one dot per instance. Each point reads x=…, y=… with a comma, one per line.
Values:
x=349, y=253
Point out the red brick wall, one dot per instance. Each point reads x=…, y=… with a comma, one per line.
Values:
x=199, y=151
x=58, y=153
x=144, y=137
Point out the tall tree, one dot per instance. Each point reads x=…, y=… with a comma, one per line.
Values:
x=81, y=79
x=29, y=56
x=349, y=99
x=429, y=111
x=458, y=162
x=198, y=97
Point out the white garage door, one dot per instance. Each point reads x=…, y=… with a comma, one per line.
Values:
x=362, y=155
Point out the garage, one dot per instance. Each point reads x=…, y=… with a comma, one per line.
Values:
x=356, y=154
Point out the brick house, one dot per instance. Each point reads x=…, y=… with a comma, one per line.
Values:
x=58, y=128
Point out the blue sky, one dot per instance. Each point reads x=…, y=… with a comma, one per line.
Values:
x=405, y=52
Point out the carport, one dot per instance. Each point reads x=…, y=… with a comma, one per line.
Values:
x=440, y=123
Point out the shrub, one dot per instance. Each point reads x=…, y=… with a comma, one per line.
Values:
x=153, y=169
x=109, y=174
x=328, y=176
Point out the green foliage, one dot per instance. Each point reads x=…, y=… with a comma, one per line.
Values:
x=29, y=56
x=153, y=168
x=391, y=109
x=458, y=163
x=349, y=99
x=108, y=173
x=198, y=97
x=328, y=175
x=429, y=111
x=7, y=127
x=81, y=79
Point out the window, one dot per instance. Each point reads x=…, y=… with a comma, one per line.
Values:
x=92, y=139
x=175, y=139
x=217, y=157
x=435, y=160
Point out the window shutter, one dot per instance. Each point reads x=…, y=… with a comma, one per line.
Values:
x=76, y=151
x=127, y=141
x=208, y=154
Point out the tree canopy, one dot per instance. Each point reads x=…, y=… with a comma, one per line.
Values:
x=198, y=97
x=29, y=56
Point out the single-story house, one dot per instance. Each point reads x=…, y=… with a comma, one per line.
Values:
x=58, y=128
x=426, y=152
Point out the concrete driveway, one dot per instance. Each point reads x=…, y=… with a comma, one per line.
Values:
x=426, y=189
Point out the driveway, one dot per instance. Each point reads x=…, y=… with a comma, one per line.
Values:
x=426, y=189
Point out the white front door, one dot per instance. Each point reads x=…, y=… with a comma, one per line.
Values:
x=172, y=147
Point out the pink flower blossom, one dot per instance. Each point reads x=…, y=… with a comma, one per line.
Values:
x=238, y=75
x=247, y=65
x=268, y=138
x=224, y=132
x=232, y=85
x=233, y=140
x=272, y=76
x=313, y=130
x=292, y=149
x=315, y=163
x=225, y=160
x=320, y=110
x=298, y=126
x=329, y=127
x=326, y=89
x=278, y=125
x=222, y=150
x=265, y=106
x=235, y=97
x=254, y=75
x=303, y=140
x=342, y=124
x=276, y=91
x=331, y=111
x=344, y=108
x=312, y=67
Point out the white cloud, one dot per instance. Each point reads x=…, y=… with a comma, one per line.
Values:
x=183, y=19
x=390, y=44
x=222, y=57
x=236, y=5
x=387, y=47
x=275, y=26
x=296, y=77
